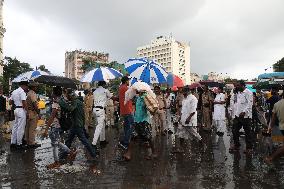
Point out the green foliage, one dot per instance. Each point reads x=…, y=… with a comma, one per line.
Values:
x=230, y=80
x=43, y=68
x=279, y=66
x=12, y=68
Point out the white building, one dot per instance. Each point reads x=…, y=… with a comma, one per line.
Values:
x=213, y=76
x=2, y=31
x=173, y=55
x=194, y=77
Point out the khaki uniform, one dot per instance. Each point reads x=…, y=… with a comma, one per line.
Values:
x=206, y=110
x=30, y=130
x=110, y=113
x=160, y=115
x=179, y=100
x=88, y=104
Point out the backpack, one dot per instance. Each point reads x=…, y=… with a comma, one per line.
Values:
x=66, y=120
x=151, y=103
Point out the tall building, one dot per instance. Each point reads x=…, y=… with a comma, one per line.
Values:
x=74, y=62
x=173, y=55
x=195, y=77
x=2, y=31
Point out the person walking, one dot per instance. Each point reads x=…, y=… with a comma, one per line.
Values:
x=33, y=115
x=76, y=107
x=277, y=120
x=101, y=95
x=243, y=116
x=126, y=113
x=54, y=133
x=88, y=108
x=19, y=98
x=142, y=124
x=219, y=115
x=187, y=128
x=206, y=109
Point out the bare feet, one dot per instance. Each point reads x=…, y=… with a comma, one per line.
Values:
x=127, y=157
x=72, y=155
x=54, y=165
x=95, y=170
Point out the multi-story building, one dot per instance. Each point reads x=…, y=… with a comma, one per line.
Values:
x=194, y=77
x=74, y=62
x=2, y=31
x=171, y=54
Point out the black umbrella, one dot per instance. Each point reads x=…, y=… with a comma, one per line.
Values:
x=56, y=81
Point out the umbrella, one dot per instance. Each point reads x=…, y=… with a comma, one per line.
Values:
x=195, y=85
x=101, y=74
x=146, y=70
x=56, y=81
x=174, y=80
x=29, y=76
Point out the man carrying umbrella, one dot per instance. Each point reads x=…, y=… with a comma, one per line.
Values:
x=19, y=99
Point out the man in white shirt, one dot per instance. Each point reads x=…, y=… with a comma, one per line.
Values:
x=219, y=115
x=187, y=128
x=101, y=96
x=19, y=99
x=243, y=115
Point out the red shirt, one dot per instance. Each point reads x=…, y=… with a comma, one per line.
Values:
x=127, y=108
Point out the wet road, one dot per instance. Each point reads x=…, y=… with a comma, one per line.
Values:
x=213, y=167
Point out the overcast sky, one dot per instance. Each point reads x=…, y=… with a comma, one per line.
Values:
x=238, y=37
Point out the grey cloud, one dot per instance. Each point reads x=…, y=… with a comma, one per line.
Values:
x=224, y=35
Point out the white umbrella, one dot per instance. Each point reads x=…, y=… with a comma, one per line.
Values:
x=29, y=76
x=101, y=74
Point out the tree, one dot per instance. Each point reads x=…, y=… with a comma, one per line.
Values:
x=43, y=68
x=12, y=68
x=279, y=66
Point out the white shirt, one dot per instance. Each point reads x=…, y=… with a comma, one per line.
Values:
x=101, y=96
x=219, y=109
x=18, y=96
x=244, y=103
x=189, y=105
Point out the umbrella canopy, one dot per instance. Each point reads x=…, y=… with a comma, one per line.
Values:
x=29, y=76
x=101, y=74
x=195, y=85
x=146, y=70
x=174, y=80
x=56, y=81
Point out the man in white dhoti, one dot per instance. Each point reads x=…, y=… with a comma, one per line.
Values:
x=219, y=115
x=187, y=128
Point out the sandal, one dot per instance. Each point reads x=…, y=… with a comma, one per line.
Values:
x=95, y=171
x=54, y=165
x=126, y=157
x=72, y=155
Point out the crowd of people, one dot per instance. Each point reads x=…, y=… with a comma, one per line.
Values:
x=185, y=113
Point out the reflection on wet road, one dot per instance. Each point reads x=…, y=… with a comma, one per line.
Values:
x=211, y=167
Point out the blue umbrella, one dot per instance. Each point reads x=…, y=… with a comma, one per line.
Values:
x=101, y=74
x=146, y=70
x=29, y=76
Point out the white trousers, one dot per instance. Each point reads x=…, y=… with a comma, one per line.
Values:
x=188, y=132
x=220, y=125
x=18, y=129
x=169, y=124
x=100, y=128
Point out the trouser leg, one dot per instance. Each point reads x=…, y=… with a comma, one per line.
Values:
x=193, y=133
x=206, y=118
x=221, y=125
x=32, y=131
x=237, y=125
x=15, y=128
x=246, y=122
x=100, y=115
x=21, y=126
x=82, y=137
x=169, y=124
x=87, y=121
x=70, y=137
x=163, y=120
